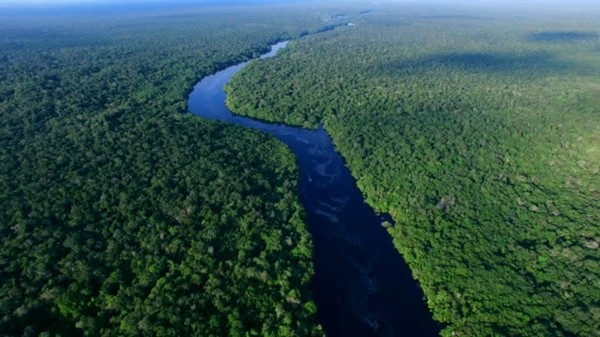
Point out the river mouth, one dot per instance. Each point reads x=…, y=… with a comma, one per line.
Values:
x=362, y=286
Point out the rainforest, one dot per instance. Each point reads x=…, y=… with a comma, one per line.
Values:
x=471, y=130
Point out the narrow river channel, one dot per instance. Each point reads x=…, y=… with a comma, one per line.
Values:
x=362, y=286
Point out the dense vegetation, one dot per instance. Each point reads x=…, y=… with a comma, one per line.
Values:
x=479, y=131
x=121, y=216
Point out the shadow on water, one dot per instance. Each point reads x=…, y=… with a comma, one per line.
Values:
x=558, y=37
x=537, y=63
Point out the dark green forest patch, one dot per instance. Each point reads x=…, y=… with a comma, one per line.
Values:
x=557, y=37
x=534, y=63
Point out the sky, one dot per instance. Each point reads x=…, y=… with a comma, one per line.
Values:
x=513, y=2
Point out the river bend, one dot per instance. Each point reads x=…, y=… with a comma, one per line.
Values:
x=362, y=286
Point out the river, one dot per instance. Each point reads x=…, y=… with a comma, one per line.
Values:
x=362, y=286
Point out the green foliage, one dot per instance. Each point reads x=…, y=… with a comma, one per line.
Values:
x=479, y=133
x=121, y=216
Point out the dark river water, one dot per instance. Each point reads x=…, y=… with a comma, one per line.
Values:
x=362, y=286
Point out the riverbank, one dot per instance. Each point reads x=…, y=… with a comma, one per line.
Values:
x=362, y=287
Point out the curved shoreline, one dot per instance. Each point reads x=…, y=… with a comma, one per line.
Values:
x=362, y=287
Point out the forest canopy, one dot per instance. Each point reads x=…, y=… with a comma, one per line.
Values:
x=119, y=214
x=478, y=129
